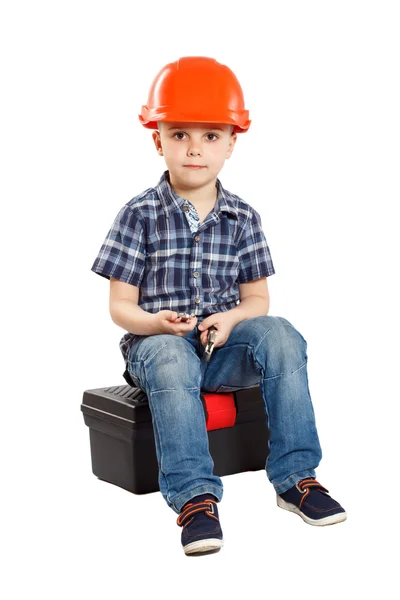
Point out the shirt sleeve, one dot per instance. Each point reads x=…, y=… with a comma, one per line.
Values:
x=122, y=254
x=254, y=256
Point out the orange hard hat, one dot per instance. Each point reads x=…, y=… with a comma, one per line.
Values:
x=196, y=89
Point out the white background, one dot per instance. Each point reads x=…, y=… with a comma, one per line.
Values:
x=321, y=81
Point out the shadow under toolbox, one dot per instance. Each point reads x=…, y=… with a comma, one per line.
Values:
x=122, y=440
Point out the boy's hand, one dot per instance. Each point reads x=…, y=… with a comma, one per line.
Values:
x=223, y=322
x=169, y=322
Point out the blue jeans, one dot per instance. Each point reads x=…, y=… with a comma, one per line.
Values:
x=266, y=351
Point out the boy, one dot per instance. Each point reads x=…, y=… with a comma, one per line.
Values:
x=189, y=245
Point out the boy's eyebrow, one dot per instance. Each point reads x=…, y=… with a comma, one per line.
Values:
x=209, y=129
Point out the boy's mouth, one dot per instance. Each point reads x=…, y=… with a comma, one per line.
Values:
x=194, y=167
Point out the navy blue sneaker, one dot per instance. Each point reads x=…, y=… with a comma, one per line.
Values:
x=312, y=502
x=201, y=533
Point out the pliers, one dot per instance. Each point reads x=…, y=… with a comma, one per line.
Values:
x=212, y=331
x=212, y=334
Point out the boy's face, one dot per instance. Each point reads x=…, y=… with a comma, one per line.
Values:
x=194, y=152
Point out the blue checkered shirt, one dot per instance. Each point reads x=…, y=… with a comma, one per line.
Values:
x=158, y=244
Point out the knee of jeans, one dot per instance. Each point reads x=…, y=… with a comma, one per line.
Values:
x=283, y=345
x=259, y=328
x=172, y=364
x=293, y=333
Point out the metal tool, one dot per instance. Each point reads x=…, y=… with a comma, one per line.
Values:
x=184, y=316
x=212, y=334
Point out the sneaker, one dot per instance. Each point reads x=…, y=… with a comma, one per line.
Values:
x=312, y=502
x=201, y=531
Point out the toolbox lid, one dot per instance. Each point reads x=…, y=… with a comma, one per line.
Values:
x=123, y=402
x=127, y=405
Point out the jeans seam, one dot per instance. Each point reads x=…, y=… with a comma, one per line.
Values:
x=301, y=367
x=255, y=349
x=174, y=390
x=156, y=433
x=145, y=362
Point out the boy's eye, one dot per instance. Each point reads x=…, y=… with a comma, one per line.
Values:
x=179, y=135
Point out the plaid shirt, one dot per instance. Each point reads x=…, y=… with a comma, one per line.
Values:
x=158, y=244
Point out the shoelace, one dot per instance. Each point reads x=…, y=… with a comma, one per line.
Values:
x=306, y=484
x=191, y=509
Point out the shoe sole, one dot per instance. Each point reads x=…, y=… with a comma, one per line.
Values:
x=331, y=520
x=203, y=546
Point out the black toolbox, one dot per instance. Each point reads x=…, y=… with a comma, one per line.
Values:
x=122, y=441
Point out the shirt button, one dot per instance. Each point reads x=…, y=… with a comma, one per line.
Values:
x=196, y=273
x=197, y=300
x=197, y=238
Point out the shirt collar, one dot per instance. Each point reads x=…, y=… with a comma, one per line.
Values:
x=171, y=202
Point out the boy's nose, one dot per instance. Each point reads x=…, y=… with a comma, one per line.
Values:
x=194, y=151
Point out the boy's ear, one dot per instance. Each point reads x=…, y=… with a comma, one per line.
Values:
x=232, y=143
x=157, y=141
